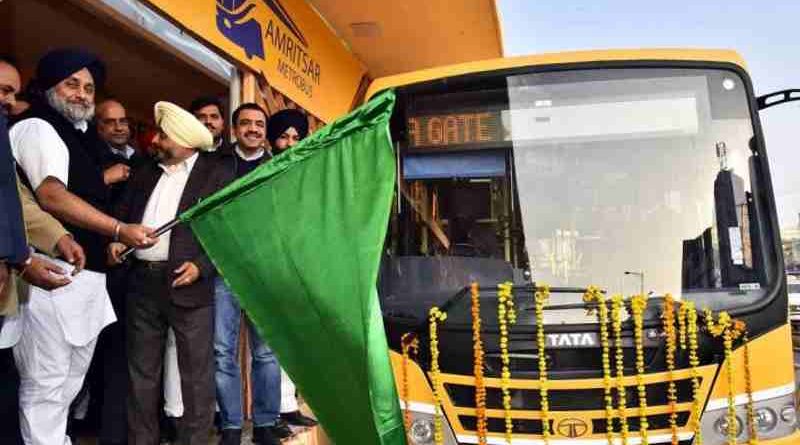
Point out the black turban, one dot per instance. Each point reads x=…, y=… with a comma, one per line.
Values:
x=284, y=119
x=59, y=64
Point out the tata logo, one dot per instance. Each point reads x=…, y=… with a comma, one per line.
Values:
x=572, y=340
x=236, y=21
x=572, y=428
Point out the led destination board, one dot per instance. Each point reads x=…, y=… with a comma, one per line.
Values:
x=456, y=130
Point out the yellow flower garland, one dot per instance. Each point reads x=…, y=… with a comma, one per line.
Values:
x=540, y=300
x=688, y=308
x=617, y=304
x=638, y=304
x=682, y=325
x=505, y=316
x=594, y=295
x=436, y=317
x=729, y=330
x=748, y=383
x=668, y=317
x=480, y=385
x=728, y=341
x=407, y=345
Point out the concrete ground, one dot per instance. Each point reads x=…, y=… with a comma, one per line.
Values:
x=303, y=436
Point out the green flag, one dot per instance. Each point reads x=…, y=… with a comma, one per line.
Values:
x=299, y=242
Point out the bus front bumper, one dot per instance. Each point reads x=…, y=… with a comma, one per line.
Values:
x=792, y=439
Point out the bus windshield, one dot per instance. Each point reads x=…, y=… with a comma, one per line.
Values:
x=634, y=180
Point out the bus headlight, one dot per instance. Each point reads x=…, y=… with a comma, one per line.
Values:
x=789, y=414
x=421, y=432
x=422, y=428
x=721, y=425
x=765, y=420
x=774, y=418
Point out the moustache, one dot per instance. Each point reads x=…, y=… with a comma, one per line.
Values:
x=79, y=102
x=253, y=134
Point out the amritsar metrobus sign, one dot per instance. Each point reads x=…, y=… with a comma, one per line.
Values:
x=285, y=40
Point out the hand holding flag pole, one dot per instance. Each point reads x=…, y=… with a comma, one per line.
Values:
x=160, y=231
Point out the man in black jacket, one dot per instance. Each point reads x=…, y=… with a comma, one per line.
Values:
x=107, y=381
x=171, y=283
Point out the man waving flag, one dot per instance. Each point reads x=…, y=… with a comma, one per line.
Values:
x=299, y=241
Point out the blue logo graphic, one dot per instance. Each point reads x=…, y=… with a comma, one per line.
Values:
x=234, y=21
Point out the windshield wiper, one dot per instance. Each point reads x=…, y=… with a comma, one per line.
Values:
x=529, y=288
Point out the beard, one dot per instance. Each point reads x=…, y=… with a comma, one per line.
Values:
x=74, y=113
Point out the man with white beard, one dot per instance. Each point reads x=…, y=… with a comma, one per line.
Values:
x=54, y=155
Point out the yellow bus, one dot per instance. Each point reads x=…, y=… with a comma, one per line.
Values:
x=642, y=172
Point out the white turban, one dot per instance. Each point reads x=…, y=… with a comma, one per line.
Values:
x=182, y=127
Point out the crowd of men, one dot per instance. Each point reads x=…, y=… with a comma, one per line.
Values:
x=157, y=331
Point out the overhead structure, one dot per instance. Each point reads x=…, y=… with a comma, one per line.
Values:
x=398, y=37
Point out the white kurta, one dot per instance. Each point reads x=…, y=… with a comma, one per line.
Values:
x=58, y=336
x=59, y=329
x=288, y=398
x=173, y=397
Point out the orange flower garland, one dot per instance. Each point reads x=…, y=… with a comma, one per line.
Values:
x=480, y=385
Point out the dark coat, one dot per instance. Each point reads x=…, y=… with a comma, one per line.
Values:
x=207, y=176
x=13, y=245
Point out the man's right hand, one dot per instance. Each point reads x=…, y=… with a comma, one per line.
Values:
x=44, y=274
x=116, y=173
x=114, y=252
x=136, y=235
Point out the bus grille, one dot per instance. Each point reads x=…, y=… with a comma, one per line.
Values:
x=576, y=406
x=567, y=400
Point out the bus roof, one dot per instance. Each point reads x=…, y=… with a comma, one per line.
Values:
x=676, y=54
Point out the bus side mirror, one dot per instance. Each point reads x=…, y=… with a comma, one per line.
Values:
x=777, y=98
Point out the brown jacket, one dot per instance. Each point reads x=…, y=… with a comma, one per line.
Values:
x=43, y=232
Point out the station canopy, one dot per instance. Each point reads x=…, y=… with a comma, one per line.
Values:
x=397, y=37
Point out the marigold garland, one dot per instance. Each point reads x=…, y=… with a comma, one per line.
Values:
x=596, y=296
x=617, y=304
x=638, y=304
x=409, y=342
x=727, y=339
x=480, y=385
x=690, y=311
x=682, y=326
x=729, y=330
x=668, y=317
x=505, y=316
x=540, y=300
x=748, y=384
x=436, y=317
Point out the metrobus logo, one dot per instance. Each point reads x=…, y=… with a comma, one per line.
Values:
x=236, y=22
